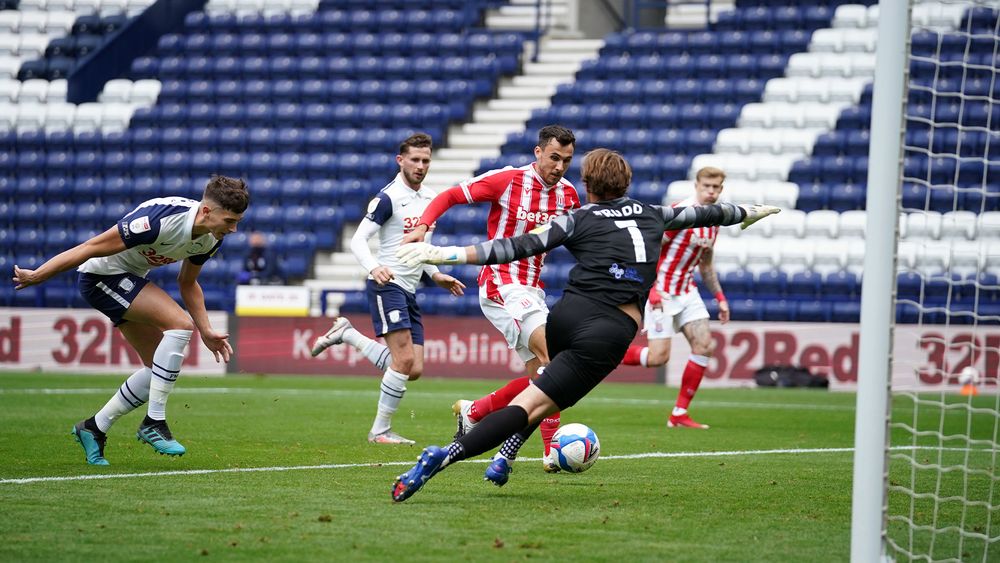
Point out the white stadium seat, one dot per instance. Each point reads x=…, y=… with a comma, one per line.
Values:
x=31, y=45
x=59, y=22
x=59, y=116
x=933, y=258
x=33, y=22
x=822, y=223
x=850, y=15
x=830, y=257
x=8, y=116
x=9, y=45
x=34, y=90
x=678, y=190
x=9, y=66
x=10, y=22
x=967, y=257
x=89, y=117
x=116, y=117
x=855, y=255
x=782, y=194
x=860, y=40
x=730, y=256
x=795, y=255
x=959, y=224
x=145, y=92
x=57, y=90
x=761, y=258
x=991, y=256
x=852, y=223
x=9, y=89
x=30, y=116
x=789, y=224
x=85, y=7
x=115, y=91
x=113, y=6
x=924, y=225
x=989, y=225
x=906, y=256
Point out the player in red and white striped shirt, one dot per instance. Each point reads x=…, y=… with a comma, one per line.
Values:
x=511, y=295
x=674, y=304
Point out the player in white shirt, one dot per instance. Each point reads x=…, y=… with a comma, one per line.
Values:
x=113, y=267
x=392, y=286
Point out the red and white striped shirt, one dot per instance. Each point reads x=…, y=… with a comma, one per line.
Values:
x=520, y=201
x=680, y=255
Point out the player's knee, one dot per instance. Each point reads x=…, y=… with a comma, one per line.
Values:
x=404, y=363
x=704, y=348
x=181, y=323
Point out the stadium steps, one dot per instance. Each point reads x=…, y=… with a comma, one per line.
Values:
x=521, y=15
x=695, y=15
x=517, y=98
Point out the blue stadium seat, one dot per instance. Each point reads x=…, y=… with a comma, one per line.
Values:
x=813, y=312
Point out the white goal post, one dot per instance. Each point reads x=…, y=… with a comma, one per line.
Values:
x=926, y=463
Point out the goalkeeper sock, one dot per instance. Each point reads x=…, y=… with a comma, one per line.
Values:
x=167, y=360
x=491, y=431
x=132, y=394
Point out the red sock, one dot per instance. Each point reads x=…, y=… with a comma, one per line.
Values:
x=498, y=399
x=633, y=357
x=548, y=427
x=693, y=372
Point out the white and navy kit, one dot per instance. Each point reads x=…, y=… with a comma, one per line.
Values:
x=616, y=244
x=393, y=213
x=156, y=233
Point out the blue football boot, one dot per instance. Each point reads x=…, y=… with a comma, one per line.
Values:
x=498, y=471
x=431, y=461
x=92, y=443
x=156, y=434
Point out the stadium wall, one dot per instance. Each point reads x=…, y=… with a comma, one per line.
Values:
x=929, y=358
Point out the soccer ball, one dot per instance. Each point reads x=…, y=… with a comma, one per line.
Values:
x=575, y=447
x=969, y=375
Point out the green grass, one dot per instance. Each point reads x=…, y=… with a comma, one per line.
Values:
x=750, y=504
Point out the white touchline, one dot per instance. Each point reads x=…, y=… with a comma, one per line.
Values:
x=423, y=394
x=29, y=480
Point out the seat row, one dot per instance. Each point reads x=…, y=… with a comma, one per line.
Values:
x=32, y=91
x=962, y=172
x=684, y=66
x=297, y=115
x=311, y=91
x=252, y=139
x=62, y=116
x=655, y=90
x=83, y=7
x=778, y=18
x=417, y=20
x=758, y=41
x=826, y=224
x=639, y=116
x=320, y=68
x=385, y=43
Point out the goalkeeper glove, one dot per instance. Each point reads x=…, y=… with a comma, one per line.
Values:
x=757, y=212
x=423, y=253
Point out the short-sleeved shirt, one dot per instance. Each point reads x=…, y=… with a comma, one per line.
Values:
x=156, y=233
x=397, y=210
x=520, y=201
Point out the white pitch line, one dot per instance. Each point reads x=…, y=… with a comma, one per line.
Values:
x=423, y=394
x=649, y=455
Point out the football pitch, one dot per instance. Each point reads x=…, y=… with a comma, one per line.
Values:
x=278, y=469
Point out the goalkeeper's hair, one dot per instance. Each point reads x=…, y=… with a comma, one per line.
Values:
x=229, y=193
x=606, y=174
x=416, y=141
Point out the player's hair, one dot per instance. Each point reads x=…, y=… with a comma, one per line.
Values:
x=417, y=141
x=230, y=193
x=561, y=134
x=710, y=172
x=606, y=174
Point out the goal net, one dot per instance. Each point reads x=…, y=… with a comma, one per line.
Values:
x=944, y=415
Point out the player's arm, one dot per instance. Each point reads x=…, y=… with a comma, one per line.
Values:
x=379, y=211
x=105, y=244
x=194, y=301
x=498, y=251
x=711, y=280
x=677, y=218
x=484, y=188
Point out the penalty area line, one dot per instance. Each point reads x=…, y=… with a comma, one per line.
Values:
x=647, y=455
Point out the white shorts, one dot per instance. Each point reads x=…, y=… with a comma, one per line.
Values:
x=677, y=312
x=523, y=311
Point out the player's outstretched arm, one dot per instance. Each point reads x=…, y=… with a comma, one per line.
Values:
x=105, y=244
x=498, y=251
x=194, y=301
x=677, y=218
